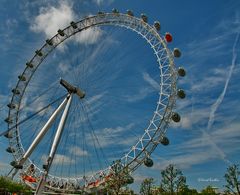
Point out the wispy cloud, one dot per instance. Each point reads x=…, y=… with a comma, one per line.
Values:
x=193, y=152
x=149, y=86
x=189, y=119
x=151, y=81
x=78, y=151
x=63, y=68
x=108, y=136
x=101, y=2
x=89, y=36
x=202, y=90
x=11, y=23
x=95, y=98
x=3, y=106
x=140, y=95
x=59, y=159
x=215, y=106
x=187, y=160
x=222, y=136
x=4, y=168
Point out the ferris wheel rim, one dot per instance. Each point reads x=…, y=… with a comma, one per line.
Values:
x=137, y=159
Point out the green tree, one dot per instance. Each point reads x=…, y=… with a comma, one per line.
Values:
x=172, y=180
x=8, y=185
x=127, y=191
x=232, y=178
x=119, y=178
x=3, y=184
x=156, y=190
x=146, y=186
x=209, y=190
x=188, y=191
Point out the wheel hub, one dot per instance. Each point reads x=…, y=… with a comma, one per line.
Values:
x=72, y=89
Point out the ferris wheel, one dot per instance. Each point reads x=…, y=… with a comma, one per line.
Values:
x=46, y=116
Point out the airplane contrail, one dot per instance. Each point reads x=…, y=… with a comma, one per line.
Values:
x=215, y=106
x=221, y=97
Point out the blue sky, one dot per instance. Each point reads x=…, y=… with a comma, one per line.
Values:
x=118, y=72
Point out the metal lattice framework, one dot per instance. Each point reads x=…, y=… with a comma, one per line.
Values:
x=157, y=127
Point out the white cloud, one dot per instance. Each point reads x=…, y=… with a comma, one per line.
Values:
x=3, y=105
x=78, y=151
x=59, y=159
x=210, y=81
x=195, y=149
x=4, y=168
x=139, y=177
x=4, y=165
x=95, y=98
x=108, y=136
x=142, y=93
x=51, y=18
x=63, y=68
x=151, y=81
x=11, y=23
x=186, y=122
x=118, y=129
x=189, y=119
x=129, y=141
x=89, y=36
x=91, y=106
x=145, y=90
x=187, y=160
x=100, y=2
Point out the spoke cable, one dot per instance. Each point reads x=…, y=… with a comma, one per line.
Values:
x=32, y=115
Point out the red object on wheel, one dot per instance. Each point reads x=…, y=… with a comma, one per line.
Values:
x=168, y=37
x=29, y=178
x=32, y=179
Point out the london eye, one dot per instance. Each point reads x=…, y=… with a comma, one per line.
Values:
x=61, y=138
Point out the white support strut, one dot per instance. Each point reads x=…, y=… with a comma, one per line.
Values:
x=40, y=187
x=43, y=131
x=40, y=135
x=59, y=131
